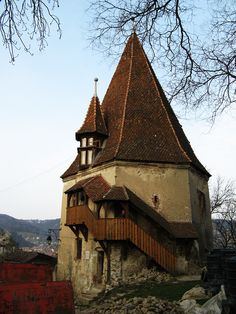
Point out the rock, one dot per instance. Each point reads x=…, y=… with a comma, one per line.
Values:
x=148, y=274
x=195, y=293
x=190, y=306
x=137, y=305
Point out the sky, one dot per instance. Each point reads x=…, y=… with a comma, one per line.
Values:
x=44, y=99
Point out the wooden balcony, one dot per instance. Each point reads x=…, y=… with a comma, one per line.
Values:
x=122, y=229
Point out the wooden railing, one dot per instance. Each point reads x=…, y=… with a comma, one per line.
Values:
x=122, y=229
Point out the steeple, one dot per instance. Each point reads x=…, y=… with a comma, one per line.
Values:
x=136, y=114
x=94, y=121
x=92, y=132
x=142, y=125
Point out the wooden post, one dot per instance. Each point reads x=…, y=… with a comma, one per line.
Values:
x=108, y=263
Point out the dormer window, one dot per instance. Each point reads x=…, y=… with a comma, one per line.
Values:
x=90, y=141
x=89, y=147
x=90, y=156
x=83, y=157
x=86, y=151
x=83, y=142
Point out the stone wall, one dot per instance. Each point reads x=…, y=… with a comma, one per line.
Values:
x=126, y=260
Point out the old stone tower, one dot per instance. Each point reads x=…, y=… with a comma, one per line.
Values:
x=136, y=193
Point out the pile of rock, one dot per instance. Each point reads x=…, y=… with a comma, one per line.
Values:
x=137, y=305
x=148, y=274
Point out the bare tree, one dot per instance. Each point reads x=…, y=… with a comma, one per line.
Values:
x=24, y=20
x=199, y=65
x=223, y=208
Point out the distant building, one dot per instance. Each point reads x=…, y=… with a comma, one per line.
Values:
x=6, y=243
x=136, y=193
x=30, y=257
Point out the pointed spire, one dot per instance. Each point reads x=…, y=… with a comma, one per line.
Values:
x=94, y=121
x=141, y=123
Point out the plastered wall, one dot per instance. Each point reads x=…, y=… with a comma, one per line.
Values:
x=176, y=188
x=170, y=184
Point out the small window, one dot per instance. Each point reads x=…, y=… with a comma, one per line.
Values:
x=72, y=200
x=78, y=248
x=83, y=142
x=81, y=198
x=202, y=203
x=119, y=212
x=90, y=157
x=90, y=141
x=83, y=157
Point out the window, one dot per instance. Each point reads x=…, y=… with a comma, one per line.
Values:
x=81, y=198
x=88, y=149
x=83, y=157
x=202, y=203
x=90, y=141
x=83, y=142
x=119, y=212
x=78, y=248
x=72, y=200
x=90, y=157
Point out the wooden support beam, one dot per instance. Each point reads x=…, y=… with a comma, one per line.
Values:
x=84, y=231
x=75, y=229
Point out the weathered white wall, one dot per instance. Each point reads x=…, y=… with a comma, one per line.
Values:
x=169, y=183
x=176, y=188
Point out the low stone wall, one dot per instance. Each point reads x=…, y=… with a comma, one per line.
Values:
x=148, y=274
x=125, y=262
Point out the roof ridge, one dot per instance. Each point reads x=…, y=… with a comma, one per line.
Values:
x=126, y=97
x=107, y=192
x=87, y=182
x=94, y=120
x=125, y=191
x=154, y=78
x=87, y=113
x=99, y=107
x=95, y=111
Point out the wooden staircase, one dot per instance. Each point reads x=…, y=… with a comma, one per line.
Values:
x=122, y=229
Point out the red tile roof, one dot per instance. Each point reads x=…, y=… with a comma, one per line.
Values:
x=94, y=122
x=73, y=169
x=95, y=187
x=79, y=185
x=140, y=121
x=116, y=193
x=20, y=256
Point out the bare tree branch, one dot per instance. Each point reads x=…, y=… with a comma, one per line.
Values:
x=200, y=67
x=223, y=209
x=20, y=19
x=223, y=194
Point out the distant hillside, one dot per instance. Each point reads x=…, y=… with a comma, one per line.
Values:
x=28, y=233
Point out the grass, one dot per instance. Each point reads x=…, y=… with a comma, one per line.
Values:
x=171, y=291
